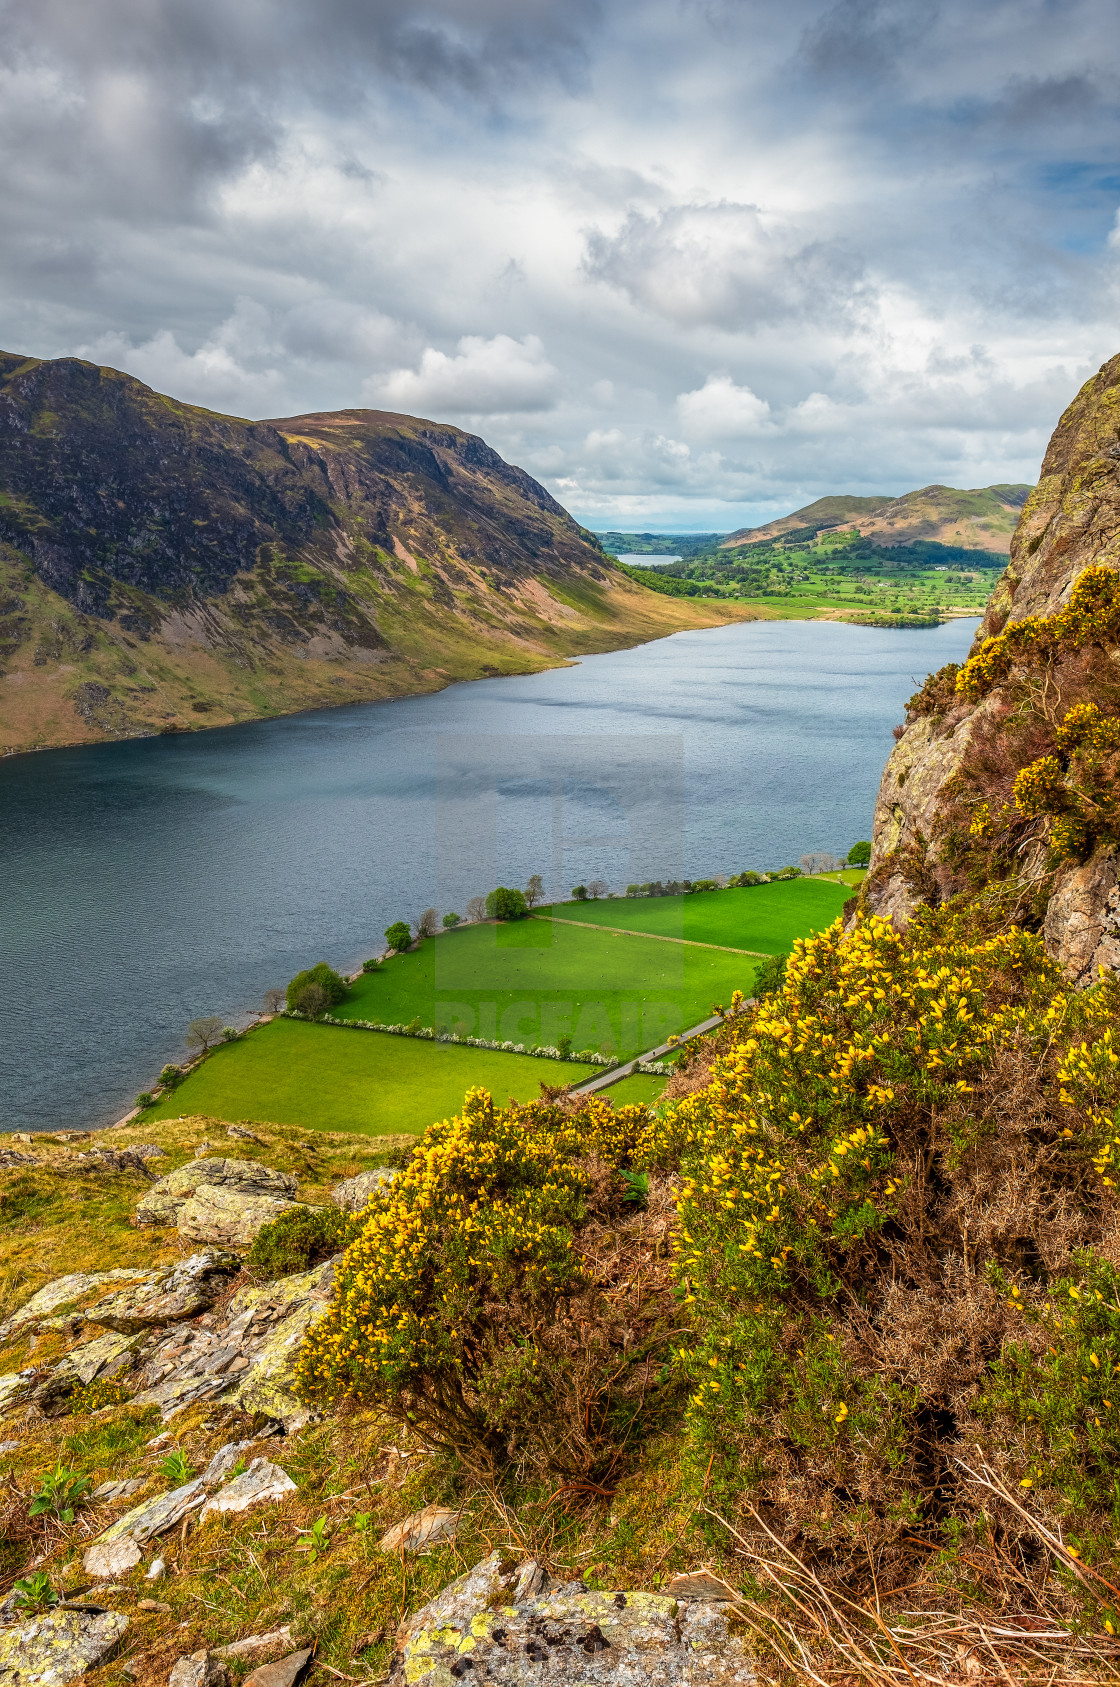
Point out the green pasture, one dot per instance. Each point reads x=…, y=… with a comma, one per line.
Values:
x=533, y=981
x=645, y=1087
x=766, y=917
x=291, y=1073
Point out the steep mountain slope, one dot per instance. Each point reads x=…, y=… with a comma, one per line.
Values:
x=983, y=519
x=164, y=568
x=1005, y=781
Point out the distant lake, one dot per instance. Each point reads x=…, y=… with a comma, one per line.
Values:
x=149, y=881
x=641, y=560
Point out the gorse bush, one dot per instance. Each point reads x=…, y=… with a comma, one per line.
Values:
x=898, y=1244
x=490, y=1299
x=298, y=1240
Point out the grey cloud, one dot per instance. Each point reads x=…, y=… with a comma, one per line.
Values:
x=725, y=265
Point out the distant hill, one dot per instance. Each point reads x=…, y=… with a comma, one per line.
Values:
x=657, y=544
x=981, y=519
x=163, y=567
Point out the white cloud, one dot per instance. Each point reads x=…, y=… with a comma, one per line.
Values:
x=501, y=376
x=721, y=410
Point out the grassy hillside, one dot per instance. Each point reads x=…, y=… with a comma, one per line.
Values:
x=164, y=568
x=983, y=518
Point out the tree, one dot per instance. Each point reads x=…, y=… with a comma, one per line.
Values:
x=333, y=986
x=597, y=888
x=820, y=861
x=311, y=1000
x=274, y=1000
x=859, y=855
x=399, y=935
x=202, y=1032
x=476, y=908
x=426, y=924
x=506, y=904
x=450, y=921
x=534, y=890
x=579, y=893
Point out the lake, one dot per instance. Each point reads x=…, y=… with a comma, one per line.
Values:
x=150, y=881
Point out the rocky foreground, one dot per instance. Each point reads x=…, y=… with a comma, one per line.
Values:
x=219, y=1536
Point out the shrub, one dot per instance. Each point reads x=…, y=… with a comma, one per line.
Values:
x=771, y=975
x=579, y=893
x=374, y=963
x=145, y=1098
x=896, y=1235
x=298, y=1240
x=450, y=921
x=398, y=936
x=170, y=1077
x=311, y=1000
x=506, y=904
x=860, y=854
x=491, y=1301
x=333, y=987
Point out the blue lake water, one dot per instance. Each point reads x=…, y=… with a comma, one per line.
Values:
x=146, y=882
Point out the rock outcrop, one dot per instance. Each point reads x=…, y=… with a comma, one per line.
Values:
x=354, y=1193
x=59, y=1646
x=1070, y=522
x=511, y=1626
x=185, y=1195
x=166, y=1297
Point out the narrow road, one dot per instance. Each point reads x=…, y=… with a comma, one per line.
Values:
x=616, y=1073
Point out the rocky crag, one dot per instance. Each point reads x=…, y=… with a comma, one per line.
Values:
x=1002, y=782
x=164, y=568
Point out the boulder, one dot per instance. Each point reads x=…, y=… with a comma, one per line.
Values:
x=105, y=1356
x=354, y=1193
x=228, y=1217
x=108, y=1492
x=223, y=1462
x=162, y=1203
x=167, y=1297
x=198, y=1669
x=484, y=1627
x=261, y=1483
x=280, y=1674
x=424, y=1529
x=700, y=1584
x=57, y=1647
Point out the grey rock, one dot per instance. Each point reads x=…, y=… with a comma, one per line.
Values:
x=263, y=1326
x=263, y=1482
x=9, y=1446
x=57, y=1647
x=354, y=1193
x=424, y=1529
x=100, y=1359
x=199, y=1669
x=163, y=1201
x=106, y=1560
x=167, y=1297
x=700, y=1584
x=246, y=1136
x=565, y=1639
x=153, y=1517
x=63, y=1292
x=110, y=1491
x=280, y=1674
x=229, y=1217
x=223, y=1462
x=254, y=1644
x=15, y=1387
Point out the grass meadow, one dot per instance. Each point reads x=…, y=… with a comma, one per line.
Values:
x=535, y=980
x=290, y=1073
x=766, y=917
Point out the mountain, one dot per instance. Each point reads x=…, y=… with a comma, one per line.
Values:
x=163, y=567
x=983, y=519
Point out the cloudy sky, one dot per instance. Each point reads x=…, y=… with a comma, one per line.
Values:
x=690, y=262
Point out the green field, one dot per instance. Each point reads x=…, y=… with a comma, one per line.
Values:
x=766, y=917
x=534, y=980
x=643, y=1086
x=291, y=1073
